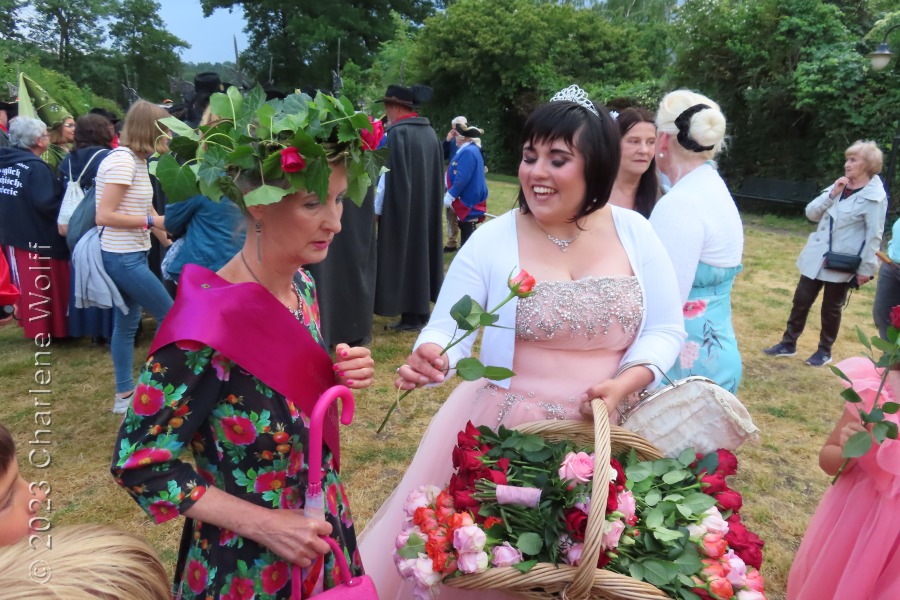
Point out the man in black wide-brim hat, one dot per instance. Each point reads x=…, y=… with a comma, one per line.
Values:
x=410, y=236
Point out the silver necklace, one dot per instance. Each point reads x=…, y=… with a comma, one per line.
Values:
x=298, y=312
x=561, y=244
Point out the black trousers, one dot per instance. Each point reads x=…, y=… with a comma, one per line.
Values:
x=832, y=304
x=466, y=229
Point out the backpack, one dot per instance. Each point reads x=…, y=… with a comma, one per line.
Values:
x=73, y=196
x=83, y=219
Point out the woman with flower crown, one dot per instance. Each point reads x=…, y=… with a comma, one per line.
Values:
x=238, y=365
x=606, y=295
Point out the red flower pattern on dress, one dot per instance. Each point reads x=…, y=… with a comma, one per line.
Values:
x=274, y=577
x=222, y=364
x=162, y=511
x=148, y=456
x=241, y=589
x=272, y=480
x=197, y=576
x=693, y=309
x=148, y=400
x=239, y=430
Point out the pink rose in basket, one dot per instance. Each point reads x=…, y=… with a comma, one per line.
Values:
x=693, y=309
x=420, y=497
x=714, y=522
x=577, y=467
x=505, y=555
x=424, y=574
x=738, y=573
x=754, y=580
x=713, y=545
x=573, y=554
x=627, y=506
x=469, y=539
x=612, y=531
x=750, y=595
x=473, y=562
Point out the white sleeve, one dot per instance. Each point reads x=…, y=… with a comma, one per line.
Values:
x=815, y=210
x=682, y=234
x=662, y=335
x=465, y=277
x=379, y=195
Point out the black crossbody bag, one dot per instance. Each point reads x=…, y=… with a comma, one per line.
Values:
x=837, y=261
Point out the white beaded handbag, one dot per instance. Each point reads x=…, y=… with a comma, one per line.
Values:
x=690, y=412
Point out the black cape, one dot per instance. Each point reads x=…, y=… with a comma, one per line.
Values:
x=410, y=234
x=345, y=280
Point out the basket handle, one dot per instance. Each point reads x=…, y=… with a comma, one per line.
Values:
x=580, y=588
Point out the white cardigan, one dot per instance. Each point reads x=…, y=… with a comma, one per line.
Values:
x=484, y=264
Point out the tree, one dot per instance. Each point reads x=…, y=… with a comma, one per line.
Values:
x=148, y=51
x=792, y=80
x=69, y=28
x=9, y=25
x=298, y=39
x=496, y=75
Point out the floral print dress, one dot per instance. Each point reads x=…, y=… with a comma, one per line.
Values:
x=711, y=347
x=246, y=440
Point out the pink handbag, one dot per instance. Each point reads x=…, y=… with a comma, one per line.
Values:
x=352, y=588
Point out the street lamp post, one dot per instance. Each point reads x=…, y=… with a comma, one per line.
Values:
x=880, y=59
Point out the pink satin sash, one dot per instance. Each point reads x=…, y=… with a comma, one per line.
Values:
x=244, y=322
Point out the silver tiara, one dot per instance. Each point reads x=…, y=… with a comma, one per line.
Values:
x=575, y=94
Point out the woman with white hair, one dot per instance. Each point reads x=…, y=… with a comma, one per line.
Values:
x=38, y=255
x=701, y=229
x=840, y=253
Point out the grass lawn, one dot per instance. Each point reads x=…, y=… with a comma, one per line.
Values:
x=794, y=405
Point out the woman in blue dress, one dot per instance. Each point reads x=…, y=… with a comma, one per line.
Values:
x=701, y=229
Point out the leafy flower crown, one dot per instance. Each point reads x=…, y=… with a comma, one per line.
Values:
x=272, y=148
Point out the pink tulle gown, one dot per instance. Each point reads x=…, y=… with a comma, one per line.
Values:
x=851, y=550
x=569, y=336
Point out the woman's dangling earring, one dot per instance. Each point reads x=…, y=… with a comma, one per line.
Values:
x=661, y=154
x=258, y=241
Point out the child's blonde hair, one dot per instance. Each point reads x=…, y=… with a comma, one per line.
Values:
x=84, y=562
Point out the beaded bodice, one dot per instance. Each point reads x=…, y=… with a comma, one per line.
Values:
x=579, y=311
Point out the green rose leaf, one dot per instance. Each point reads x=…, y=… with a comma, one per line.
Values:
x=689, y=561
x=687, y=594
x=657, y=572
x=857, y=445
x=673, y=477
x=179, y=128
x=470, y=369
x=850, y=395
x=460, y=312
x=839, y=373
x=892, y=430
x=708, y=463
x=497, y=373
x=530, y=543
x=179, y=181
x=653, y=497
x=883, y=345
x=685, y=511
x=532, y=443
x=880, y=432
x=863, y=339
x=413, y=546
x=890, y=408
x=639, y=472
x=699, y=502
x=687, y=457
x=487, y=319
x=654, y=518
x=265, y=194
x=525, y=565
x=666, y=535
x=636, y=570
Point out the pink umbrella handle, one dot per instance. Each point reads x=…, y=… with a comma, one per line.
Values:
x=316, y=421
x=340, y=559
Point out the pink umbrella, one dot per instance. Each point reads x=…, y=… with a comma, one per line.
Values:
x=310, y=579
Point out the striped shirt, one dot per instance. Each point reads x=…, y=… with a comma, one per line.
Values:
x=122, y=166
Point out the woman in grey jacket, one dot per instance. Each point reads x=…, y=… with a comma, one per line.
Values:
x=851, y=220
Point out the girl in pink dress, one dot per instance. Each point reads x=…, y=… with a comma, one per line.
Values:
x=606, y=295
x=851, y=550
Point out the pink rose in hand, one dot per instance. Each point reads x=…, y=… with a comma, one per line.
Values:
x=505, y=555
x=522, y=284
x=578, y=467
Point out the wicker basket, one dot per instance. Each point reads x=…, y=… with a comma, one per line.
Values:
x=549, y=581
